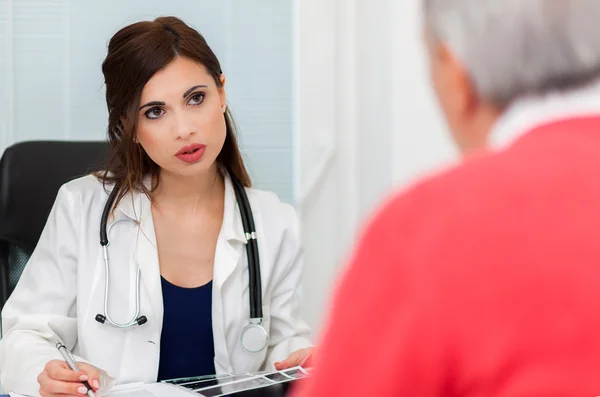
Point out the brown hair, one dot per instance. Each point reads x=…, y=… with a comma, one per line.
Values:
x=135, y=54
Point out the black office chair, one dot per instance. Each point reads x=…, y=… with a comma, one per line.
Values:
x=30, y=175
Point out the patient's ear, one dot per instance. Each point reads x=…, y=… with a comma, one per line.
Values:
x=457, y=95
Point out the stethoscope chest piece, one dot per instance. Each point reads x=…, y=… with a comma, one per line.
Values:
x=254, y=337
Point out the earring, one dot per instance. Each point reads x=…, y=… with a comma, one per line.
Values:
x=224, y=108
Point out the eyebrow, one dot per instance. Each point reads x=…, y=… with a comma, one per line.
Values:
x=153, y=103
x=159, y=103
x=188, y=92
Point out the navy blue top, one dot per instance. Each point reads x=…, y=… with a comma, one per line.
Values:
x=186, y=345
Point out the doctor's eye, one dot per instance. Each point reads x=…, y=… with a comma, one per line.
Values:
x=154, y=113
x=197, y=98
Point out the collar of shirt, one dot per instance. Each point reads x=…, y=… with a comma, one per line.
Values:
x=532, y=111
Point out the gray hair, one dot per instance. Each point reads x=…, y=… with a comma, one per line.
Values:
x=513, y=48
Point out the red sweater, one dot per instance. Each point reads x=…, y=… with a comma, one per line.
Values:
x=483, y=281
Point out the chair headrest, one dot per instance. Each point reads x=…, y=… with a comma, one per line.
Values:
x=31, y=174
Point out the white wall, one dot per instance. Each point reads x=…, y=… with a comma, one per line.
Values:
x=363, y=94
x=317, y=109
x=420, y=141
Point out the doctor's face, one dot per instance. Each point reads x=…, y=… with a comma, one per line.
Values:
x=181, y=125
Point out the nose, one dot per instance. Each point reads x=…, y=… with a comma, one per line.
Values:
x=183, y=127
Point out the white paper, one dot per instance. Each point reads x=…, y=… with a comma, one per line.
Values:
x=131, y=393
x=150, y=390
x=222, y=385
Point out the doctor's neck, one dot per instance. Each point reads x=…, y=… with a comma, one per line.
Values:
x=188, y=194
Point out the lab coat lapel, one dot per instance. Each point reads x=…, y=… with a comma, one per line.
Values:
x=231, y=235
x=230, y=247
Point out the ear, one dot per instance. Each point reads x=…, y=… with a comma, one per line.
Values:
x=222, y=93
x=457, y=80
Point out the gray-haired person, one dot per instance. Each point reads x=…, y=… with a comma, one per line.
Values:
x=484, y=280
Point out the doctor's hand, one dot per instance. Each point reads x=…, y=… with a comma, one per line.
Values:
x=302, y=357
x=58, y=379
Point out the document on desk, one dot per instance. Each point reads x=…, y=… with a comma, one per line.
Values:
x=140, y=390
x=222, y=385
x=206, y=386
x=150, y=390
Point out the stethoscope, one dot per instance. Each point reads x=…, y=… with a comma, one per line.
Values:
x=254, y=337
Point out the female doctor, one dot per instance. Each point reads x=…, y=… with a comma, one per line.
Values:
x=176, y=295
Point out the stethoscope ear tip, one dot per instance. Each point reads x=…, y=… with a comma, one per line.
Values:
x=140, y=320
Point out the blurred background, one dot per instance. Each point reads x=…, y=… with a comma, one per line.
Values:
x=331, y=98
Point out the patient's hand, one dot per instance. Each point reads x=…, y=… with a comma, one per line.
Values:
x=302, y=357
x=58, y=379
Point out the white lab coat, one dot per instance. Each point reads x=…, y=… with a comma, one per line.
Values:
x=62, y=289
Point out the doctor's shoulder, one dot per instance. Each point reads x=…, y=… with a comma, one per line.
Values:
x=84, y=194
x=279, y=239
x=275, y=215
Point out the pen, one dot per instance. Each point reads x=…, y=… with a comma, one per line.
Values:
x=67, y=356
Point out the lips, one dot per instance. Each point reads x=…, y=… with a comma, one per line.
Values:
x=190, y=149
x=191, y=153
